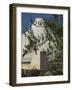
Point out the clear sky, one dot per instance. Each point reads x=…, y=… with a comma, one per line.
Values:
x=27, y=17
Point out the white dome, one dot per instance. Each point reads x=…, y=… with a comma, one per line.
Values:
x=39, y=22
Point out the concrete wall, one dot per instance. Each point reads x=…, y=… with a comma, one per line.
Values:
x=43, y=61
x=35, y=62
x=38, y=61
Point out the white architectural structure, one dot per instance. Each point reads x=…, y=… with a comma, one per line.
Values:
x=38, y=28
x=32, y=60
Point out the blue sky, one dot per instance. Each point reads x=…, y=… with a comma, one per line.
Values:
x=26, y=19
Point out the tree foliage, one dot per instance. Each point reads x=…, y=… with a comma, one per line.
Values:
x=54, y=34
